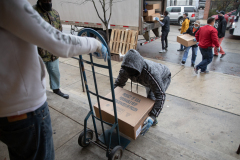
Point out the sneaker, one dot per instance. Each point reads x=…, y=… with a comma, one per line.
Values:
x=166, y=48
x=146, y=125
x=196, y=70
x=183, y=62
x=223, y=55
x=205, y=71
x=192, y=65
x=162, y=51
x=180, y=50
x=215, y=55
x=155, y=122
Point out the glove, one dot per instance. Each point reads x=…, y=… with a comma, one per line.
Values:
x=156, y=18
x=194, y=40
x=218, y=49
x=146, y=125
x=101, y=52
x=197, y=43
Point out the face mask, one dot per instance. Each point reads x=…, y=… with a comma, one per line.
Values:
x=46, y=6
x=195, y=27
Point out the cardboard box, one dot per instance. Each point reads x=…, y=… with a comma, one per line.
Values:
x=153, y=6
x=152, y=17
x=156, y=2
x=186, y=40
x=149, y=12
x=132, y=110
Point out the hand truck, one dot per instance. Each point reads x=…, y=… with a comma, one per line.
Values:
x=110, y=140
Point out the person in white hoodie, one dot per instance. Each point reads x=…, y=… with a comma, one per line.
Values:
x=25, y=124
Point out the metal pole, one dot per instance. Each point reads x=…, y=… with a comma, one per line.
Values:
x=96, y=89
x=89, y=98
x=113, y=98
x=81, y=73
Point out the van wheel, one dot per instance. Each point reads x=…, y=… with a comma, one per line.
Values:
x=180, y=21
x=103, y=34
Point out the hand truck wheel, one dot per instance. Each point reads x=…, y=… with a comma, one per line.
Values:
x=116, y=153
x=89, y=135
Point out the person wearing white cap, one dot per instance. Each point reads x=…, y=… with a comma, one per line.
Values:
x=192, y=30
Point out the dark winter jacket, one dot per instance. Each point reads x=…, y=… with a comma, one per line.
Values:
x=166, y=27
x=150, y=74
x=190, y=31
x=222, y=27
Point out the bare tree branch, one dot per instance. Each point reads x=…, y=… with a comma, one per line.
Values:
x=110, y=10
x=97, y=11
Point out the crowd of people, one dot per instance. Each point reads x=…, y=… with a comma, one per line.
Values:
x=207, y=38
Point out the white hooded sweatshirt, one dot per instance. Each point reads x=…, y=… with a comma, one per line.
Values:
x=22, y=71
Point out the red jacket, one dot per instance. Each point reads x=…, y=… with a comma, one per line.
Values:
x=207, y=36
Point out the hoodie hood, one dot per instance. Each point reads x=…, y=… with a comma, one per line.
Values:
x=133, y=60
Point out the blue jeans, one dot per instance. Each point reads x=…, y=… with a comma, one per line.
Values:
x=194, y=54
x=182, y=47
x=207, y=56
x=54, y=74
x=29, y=138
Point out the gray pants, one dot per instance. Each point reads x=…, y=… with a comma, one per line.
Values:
x=157, y=109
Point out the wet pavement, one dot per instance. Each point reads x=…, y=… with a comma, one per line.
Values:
x=230, y=64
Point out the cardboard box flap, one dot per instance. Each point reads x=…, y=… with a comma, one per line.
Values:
x=127, y=104
x=187, y=37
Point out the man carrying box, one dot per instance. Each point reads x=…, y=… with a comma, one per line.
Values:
x=207, y=36
x=192, y=30
x=154, y=76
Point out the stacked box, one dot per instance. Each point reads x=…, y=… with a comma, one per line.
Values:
x=149, y=12
x=150, y=15
x=153, y=6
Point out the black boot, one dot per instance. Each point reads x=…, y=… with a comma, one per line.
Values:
x=58, y=92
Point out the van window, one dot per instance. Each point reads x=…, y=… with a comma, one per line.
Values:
x=176, y=9
x=188, y=9
x=169, y=9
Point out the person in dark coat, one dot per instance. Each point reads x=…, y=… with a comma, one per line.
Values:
x=222, y=25
x=165, y=30
x=154, y=76
x=192, y=30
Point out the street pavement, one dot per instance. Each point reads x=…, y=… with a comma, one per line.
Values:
x=199, y=121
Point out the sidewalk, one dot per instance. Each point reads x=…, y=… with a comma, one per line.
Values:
x=200, y=118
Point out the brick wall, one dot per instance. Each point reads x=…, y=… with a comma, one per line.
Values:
x=206, y=10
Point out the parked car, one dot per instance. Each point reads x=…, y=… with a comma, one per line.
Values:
x=229, y=18
x=202, y=4
x=235, y=30
x=176, y=13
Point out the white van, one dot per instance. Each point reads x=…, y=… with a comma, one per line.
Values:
x=176, y=13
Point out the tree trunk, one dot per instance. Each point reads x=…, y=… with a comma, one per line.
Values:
x=107, y=34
